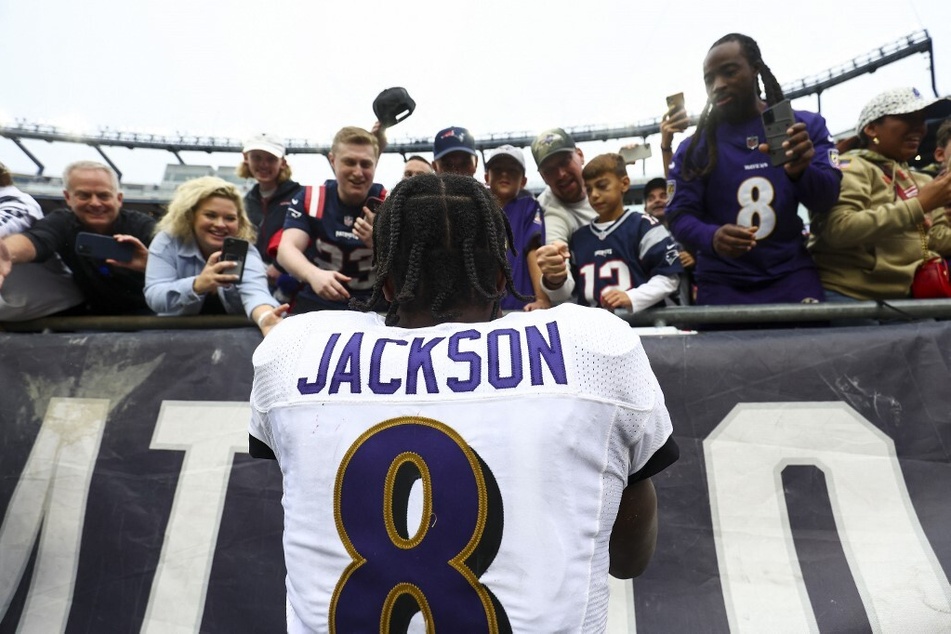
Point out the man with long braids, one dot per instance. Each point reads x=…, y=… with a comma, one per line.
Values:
x=730, y=206
x=446, y=468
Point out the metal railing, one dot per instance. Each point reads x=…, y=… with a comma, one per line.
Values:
x=685, y=317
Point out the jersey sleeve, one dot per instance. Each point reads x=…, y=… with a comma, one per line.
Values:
x=271, y=361
x=658, y=251
x=17, y=214
x=643, y=415
x=620, y=372
x=296, y=216
x=818, y=187
x=685, y=203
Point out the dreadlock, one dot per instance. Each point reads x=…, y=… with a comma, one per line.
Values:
x=442, y=240
x=709, y=118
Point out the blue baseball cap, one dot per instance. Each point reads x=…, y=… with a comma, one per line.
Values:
x=453, y=140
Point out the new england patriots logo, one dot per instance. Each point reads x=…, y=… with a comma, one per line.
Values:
x=451, y=132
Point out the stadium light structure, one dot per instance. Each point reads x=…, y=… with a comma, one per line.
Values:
x=918, y=42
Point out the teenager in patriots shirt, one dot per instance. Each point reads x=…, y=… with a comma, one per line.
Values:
x=328, y=230
x=730, y=206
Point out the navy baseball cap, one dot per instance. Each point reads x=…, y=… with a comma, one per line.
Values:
x=453, y=140
x=655, y=183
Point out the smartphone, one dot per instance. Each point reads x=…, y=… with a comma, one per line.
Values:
x=675, y=101
x=636, y=153
x=235, y=250
x=94, y=245
x=777, y=120
x=373, y=203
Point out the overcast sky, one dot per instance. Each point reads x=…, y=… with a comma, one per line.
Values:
x=303, y=69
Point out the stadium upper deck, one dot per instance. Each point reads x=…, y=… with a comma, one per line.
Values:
x=48, y=189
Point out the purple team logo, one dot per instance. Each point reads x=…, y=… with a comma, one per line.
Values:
x=834, y=158
x=752, y=142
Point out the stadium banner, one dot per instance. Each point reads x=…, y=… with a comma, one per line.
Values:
x=811, y=493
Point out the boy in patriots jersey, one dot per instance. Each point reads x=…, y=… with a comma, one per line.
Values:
x=448, y=471
x=326, y=242
x=730, y=206
x=623, y=259
x=505, y=176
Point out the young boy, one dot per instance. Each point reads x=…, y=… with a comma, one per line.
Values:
x=622, y=259
x=505, y=175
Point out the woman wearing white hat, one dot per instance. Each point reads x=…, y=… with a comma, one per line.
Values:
x=263, y=159
x=870, y=244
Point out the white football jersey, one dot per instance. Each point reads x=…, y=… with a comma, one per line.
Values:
x=462, y=475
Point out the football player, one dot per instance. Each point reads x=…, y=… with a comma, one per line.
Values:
x=446, y=469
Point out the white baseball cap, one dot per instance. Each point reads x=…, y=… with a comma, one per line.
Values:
x=507, y=150
x=897, y=102
x=266, y=143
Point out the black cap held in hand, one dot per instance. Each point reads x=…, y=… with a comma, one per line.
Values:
x=392, y=106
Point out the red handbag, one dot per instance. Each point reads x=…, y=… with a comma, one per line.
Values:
x=931, y=279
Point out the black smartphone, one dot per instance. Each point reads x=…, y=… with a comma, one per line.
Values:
x=94, y=245
x=235, y=250
x=777, y=120
x=373, y=203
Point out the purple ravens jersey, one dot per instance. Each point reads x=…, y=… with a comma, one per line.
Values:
x=525, y=217
x=622, y=255
x=745, y=189
x=329, y=223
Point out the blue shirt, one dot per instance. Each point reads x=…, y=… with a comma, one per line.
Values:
x=623, y=255
x=171, y=271
x=329, y=223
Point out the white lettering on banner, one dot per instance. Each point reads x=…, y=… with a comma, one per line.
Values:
x=896, y=571
x=51, y=492
x=210, y=433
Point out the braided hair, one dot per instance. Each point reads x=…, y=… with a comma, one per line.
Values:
x=710, y=118
x=441, y=239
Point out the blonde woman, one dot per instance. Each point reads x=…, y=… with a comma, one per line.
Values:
x=185, y=274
